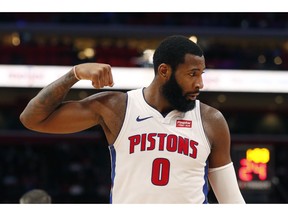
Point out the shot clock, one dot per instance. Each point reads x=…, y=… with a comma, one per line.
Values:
x=254, y=166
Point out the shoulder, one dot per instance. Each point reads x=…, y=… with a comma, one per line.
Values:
x=214, y=123
x=218, y=134
x=106, y=103
x=110, y=107
x=209, y=113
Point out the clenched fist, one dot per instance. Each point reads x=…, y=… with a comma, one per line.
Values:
x=100, y=74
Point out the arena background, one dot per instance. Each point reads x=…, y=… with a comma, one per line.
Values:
x=76, y=168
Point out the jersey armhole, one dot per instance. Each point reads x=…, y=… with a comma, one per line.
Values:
x=198, y=113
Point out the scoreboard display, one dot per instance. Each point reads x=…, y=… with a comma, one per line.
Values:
x=254, y=166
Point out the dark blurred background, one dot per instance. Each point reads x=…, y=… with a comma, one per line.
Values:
x=76, y=168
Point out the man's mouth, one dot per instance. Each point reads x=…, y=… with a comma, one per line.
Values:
x=192, y=96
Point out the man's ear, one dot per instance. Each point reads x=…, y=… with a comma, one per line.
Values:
x=164, y=71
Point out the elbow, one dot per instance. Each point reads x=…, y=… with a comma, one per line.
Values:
x=26, y=122
x=30, y=123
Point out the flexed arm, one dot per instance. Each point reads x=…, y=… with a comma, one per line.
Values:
x=47, y=111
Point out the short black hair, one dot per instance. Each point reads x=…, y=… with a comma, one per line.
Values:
x=172, y=51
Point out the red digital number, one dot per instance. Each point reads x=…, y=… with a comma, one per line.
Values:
x=248, y=168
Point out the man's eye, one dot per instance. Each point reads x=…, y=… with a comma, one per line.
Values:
x=193, y=74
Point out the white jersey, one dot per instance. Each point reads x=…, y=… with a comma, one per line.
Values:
x=158, y=159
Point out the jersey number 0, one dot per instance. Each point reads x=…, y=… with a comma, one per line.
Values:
x=160, y=171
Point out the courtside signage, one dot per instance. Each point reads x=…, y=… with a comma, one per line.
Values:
x=32, y=76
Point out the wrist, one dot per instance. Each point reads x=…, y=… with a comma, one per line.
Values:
x=75, y=73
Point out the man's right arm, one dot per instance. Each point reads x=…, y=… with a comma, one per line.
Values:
x=47, y=111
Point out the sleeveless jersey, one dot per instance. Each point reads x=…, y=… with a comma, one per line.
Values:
x=158, y=159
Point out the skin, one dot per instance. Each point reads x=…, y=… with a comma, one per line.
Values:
x=48, y=112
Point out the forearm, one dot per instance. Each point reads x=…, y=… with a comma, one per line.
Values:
x=47, y=100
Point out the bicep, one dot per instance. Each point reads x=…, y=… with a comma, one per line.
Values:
x=220, y=153
x=69, y=117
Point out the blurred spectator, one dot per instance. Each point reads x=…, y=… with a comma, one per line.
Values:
x=36, y=196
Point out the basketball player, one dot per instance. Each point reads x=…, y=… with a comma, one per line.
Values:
x=164, y=143
x=35, y=196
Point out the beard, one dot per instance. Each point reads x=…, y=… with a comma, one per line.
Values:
x=173, y=92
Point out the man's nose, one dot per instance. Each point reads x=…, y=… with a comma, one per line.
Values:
x=199, y=83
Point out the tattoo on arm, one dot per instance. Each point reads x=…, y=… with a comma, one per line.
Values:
x=50, y=97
